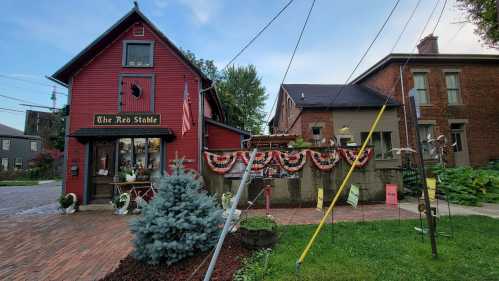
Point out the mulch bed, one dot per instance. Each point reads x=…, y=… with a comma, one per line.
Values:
x=229, y=261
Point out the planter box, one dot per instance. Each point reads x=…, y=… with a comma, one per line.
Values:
x=257, y=239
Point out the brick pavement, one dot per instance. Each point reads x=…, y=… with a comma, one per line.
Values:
x=341, y=213
x=83, y=246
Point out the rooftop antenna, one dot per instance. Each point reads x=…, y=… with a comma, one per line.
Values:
x=135, y=5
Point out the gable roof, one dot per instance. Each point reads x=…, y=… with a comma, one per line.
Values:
x=65, y=72
x=329, y=96
x=426, y=58
x=228, y=127
x=6, y=131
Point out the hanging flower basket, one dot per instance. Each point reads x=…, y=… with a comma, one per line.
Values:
x=292, y=161
x=220, y=164
x=262, y=159
x=325, y=161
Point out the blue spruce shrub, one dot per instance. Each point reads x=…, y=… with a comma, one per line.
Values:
x=182, y=220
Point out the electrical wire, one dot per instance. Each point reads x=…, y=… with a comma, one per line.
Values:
x=292, y=57
x=405, y=26
x=17, y=99
x=31, y=82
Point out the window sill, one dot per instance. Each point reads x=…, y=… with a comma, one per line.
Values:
x=455, y=104
x=138, y=66
x=426, y=105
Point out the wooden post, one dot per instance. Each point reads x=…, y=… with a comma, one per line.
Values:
x=429, y=215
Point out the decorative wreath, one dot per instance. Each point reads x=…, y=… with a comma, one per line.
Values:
x=262, y=158
x=292, y=161
x=350, y=154
x=220, y=164
x=324, y=161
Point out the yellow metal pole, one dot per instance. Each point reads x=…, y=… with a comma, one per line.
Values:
x=342, y=186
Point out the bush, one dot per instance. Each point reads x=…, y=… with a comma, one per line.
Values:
x=65, y=201
x=254, y=267
x=181, y=221
x=468, y=186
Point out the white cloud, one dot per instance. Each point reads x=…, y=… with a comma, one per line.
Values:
x=202, y=10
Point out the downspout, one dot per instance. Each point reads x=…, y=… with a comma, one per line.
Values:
x=66, y=139
x=201, y=126
x=404, y=108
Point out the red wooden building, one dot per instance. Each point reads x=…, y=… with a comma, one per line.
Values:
x=126, y=94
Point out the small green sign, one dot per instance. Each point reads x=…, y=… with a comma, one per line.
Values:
x=353, y=196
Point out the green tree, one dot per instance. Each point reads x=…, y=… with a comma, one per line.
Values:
x=243, y=97
x=240, y=91
x=484, y=14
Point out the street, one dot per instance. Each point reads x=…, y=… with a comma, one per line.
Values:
x=26, y=200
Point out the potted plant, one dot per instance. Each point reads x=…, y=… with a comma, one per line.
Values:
x=129, y=174
x=121, y=203
x=258, y=232
x=67, y=203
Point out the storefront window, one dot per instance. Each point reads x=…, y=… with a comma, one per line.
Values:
x=153, y=154
x=139, y=154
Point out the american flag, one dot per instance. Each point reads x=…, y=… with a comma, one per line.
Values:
x=186, y=111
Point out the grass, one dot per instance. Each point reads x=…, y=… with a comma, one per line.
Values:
x=258, y=223
x=18, y=183
x=383, y=250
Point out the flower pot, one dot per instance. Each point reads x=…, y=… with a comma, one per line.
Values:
x=130, y=178
x=258, y=239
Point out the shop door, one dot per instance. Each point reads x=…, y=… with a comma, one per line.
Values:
x=461, y=157
x=102, y=171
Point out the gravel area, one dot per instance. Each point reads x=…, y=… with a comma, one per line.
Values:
x=29, y=200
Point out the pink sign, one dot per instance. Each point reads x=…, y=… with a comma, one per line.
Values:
x=391, y=195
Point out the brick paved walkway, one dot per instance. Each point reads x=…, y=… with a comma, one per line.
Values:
x=341, y=213
x=83, y=246
x=88, y=245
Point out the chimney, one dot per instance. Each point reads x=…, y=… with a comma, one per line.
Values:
x=428, y=45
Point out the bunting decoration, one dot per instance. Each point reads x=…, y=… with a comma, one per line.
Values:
x=262, y=159
x=221, y=164
x=292, y=161
x=324, y=161
x=350, y=154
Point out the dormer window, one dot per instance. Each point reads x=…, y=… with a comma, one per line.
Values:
x=138, y=53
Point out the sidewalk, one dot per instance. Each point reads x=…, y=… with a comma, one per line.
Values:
x=490, y=210
x=341, y=213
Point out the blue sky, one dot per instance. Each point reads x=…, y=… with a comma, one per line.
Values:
x=38, y=37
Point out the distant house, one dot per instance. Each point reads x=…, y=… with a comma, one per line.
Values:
x=339, y=113
x=43, y=124
x=17, y=149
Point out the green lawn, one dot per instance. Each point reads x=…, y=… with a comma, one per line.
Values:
x=18, y=183
x=383, y=250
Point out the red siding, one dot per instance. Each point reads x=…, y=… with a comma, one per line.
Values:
x=95, y=90
x=222, y=138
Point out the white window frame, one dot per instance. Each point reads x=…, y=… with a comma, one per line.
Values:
x=458, y=89
x=425, y=90
x=6, y=145
x=35, y=147
x=5, y=164
x=126, y=43
x=16, y=161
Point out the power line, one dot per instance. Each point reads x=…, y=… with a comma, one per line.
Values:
x=16, y=99
x=439, y=17
x=405, y=26
x=11, y=110
x=258, y=34
x=366, y=51
x=31, y=82
x=292, y=56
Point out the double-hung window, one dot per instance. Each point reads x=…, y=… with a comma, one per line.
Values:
x=382, y=142
x=6, y=145
x=453, y=89
x=421, y=87
x=425, y=132
x=138, y=53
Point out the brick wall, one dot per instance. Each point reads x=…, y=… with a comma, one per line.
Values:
x=479, y=84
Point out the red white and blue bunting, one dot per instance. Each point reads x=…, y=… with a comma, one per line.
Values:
x=325, y=161
x=262, y=159
x=292, y=161
x=350, y=154
x=221, y=164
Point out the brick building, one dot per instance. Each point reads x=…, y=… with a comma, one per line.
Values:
x=458, y=96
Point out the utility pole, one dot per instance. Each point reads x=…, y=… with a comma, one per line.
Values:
x=54, y=97
x=429, y=215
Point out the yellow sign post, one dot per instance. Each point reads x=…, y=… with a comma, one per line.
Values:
x=320, y=198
